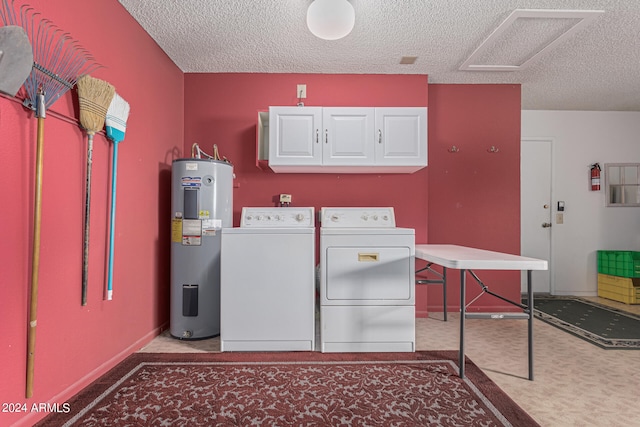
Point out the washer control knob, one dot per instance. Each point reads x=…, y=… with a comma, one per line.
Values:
x=249, y=217
x=364, y=217
x=335, y=218
x=259, y=218
x=375, y=217
x=386, y=218
x=299, y=217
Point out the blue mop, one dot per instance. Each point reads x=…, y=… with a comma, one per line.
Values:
x=116, y=124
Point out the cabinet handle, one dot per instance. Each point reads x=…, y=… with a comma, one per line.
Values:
x=326, y=136
x=317, y=132
x=379, y=136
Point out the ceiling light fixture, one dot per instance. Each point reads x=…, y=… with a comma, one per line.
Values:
x=330, y=19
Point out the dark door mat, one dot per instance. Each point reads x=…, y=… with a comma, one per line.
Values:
x=603, y=326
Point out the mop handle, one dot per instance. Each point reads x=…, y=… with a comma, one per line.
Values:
x=112, y=221
x=87, y=218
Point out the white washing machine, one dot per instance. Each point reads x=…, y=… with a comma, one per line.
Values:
x=267, y=281
x=367, y=281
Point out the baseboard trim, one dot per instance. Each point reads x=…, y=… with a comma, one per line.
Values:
x=83, y=382
x=575, y=293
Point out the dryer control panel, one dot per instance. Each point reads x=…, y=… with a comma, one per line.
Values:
x=357, y=217
x=277, y=217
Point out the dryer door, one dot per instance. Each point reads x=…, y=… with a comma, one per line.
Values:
x=368, y=276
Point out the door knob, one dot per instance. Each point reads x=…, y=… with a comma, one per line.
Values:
x=546, y=224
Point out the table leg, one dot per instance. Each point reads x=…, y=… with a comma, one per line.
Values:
x=444, y=291
x=530, y=305
x=463, y=309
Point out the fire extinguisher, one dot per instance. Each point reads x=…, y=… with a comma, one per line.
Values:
x=595, y=177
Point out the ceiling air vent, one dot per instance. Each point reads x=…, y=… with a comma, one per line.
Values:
x=408, y=59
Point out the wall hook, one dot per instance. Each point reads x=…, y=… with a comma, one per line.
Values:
x=453, y=149
x=493, y=149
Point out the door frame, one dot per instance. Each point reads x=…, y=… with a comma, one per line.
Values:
x=552, y=207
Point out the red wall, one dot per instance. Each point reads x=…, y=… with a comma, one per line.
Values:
x=75, y=344
x=469, y=198
x=474, y=195
x=223, y=109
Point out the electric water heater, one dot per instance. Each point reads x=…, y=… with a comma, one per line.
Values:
x=201, y=205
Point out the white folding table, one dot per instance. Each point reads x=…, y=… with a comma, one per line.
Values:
x=468, y=259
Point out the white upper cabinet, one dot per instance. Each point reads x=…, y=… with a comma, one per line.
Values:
x=401, y=136
x=347, y=139
x=294, y=136
x=348, y=133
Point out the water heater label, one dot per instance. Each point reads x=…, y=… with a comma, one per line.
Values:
x=191, y=232
x=176, y=230
x=209, y=226
x=191, y=181
x=191, y=166
x=191, y=240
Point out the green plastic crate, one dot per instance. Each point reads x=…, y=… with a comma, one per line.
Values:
x=619, y=263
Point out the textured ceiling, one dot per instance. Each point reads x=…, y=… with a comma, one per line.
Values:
x=595, y=69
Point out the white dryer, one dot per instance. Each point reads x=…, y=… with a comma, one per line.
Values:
x=367, y=281
x=267, y=281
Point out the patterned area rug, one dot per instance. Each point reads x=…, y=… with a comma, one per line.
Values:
x=603, y=326
x=292, y=389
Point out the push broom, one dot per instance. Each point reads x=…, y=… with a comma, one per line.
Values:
x=94, y=97
x=58, y=60
x=115, y=124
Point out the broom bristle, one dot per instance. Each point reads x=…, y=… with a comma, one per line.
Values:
x=94, y=96
x=117, y=113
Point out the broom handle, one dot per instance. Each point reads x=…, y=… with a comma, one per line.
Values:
x=35, y=261
x=87, y=218
x=112, y=222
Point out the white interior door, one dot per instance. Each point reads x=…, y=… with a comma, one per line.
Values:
x=536, y=209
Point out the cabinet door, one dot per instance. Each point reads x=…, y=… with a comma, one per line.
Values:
x=294, y=136
x=401, y=136
x=348, y=136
